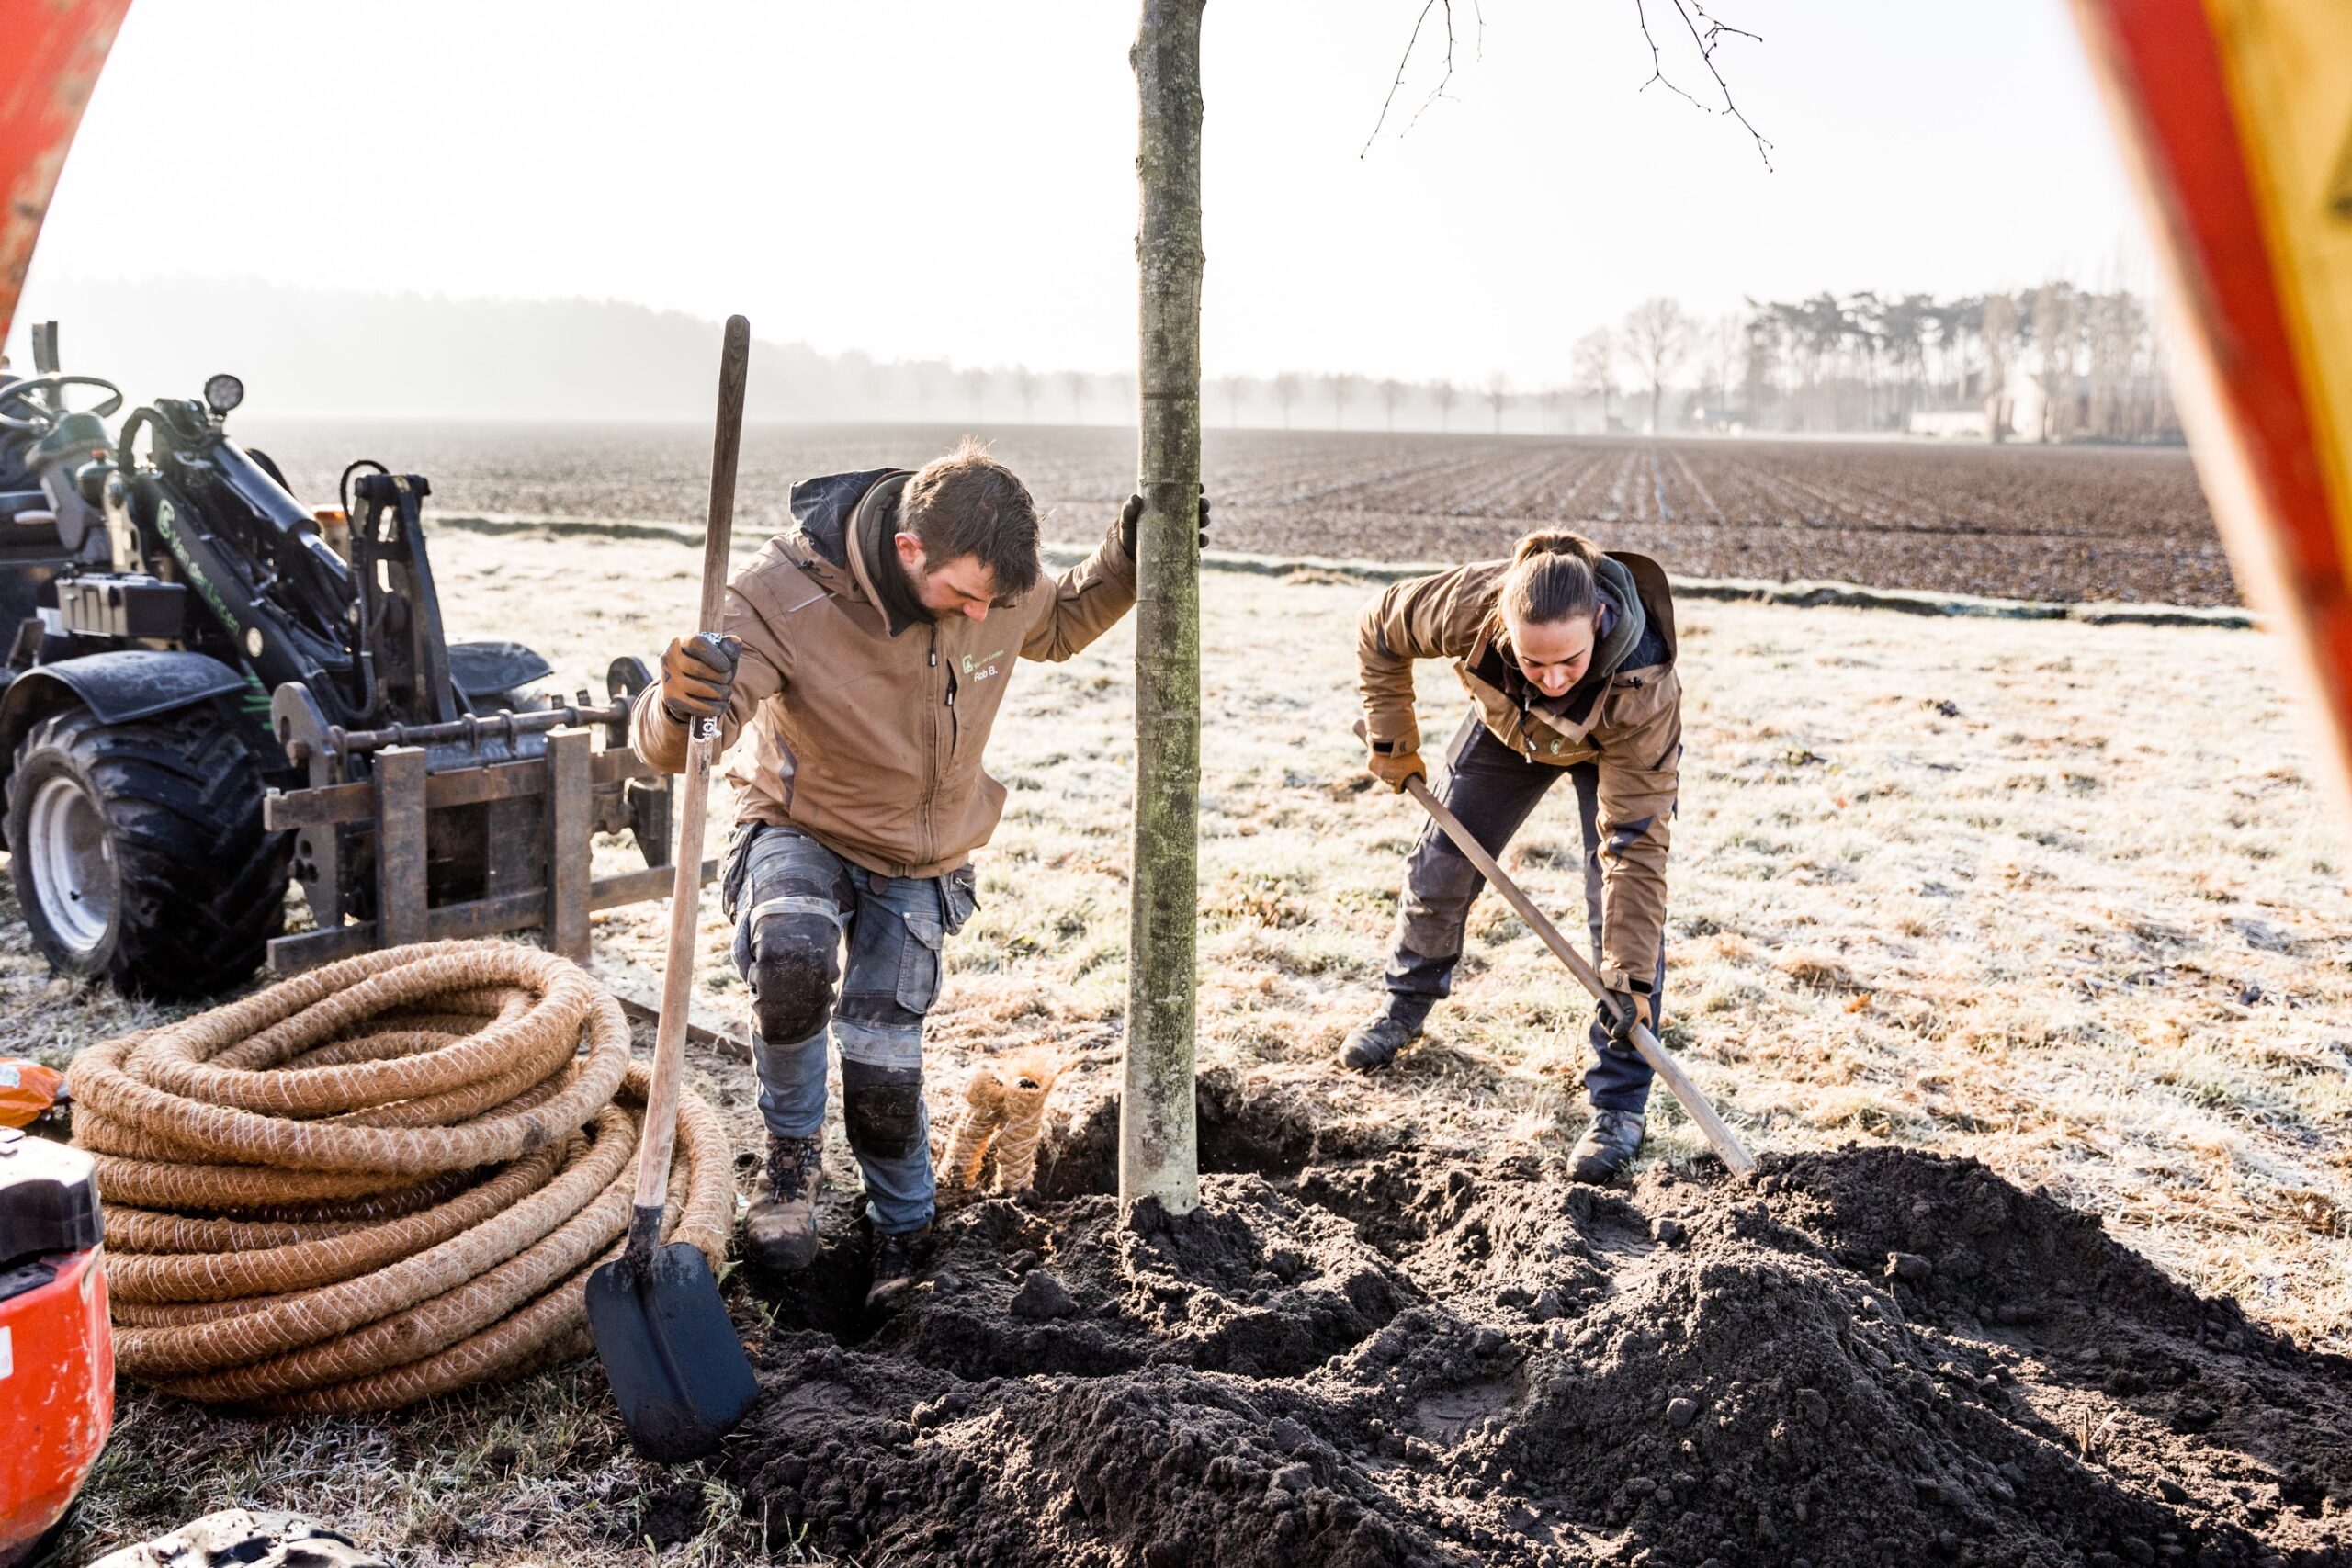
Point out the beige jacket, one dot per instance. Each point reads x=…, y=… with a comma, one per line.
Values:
x=871, y=743
x=1632, y=731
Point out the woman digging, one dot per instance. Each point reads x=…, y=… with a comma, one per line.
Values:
x=1568, y=655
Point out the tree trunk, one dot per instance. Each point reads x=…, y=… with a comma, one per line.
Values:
x=1156, y=1155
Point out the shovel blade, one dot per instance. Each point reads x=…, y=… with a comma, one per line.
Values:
x=676, y=1368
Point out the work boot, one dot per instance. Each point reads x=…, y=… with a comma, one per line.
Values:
x=1607, y=1146
x=1374, y=1043
x=896, y=1255
x=780, y=1233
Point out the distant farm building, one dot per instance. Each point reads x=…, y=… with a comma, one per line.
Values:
x=1952, y=425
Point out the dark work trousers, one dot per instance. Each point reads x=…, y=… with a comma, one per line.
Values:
x=1492, y=788
x=796, y=905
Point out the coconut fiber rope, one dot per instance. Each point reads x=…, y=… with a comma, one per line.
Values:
x=378, y=1181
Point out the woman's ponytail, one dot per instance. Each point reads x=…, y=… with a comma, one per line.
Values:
x=1553, y=576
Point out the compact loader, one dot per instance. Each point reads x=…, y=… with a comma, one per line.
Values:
x=211, y=691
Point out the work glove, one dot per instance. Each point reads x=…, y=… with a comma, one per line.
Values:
x=1636, y=1004
x=698, y=676
x=1132, y=513
x=1393, y=768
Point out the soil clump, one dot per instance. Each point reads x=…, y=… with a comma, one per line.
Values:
x=1355, y=1356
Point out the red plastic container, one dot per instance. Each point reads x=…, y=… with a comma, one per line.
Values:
x=56, y=1351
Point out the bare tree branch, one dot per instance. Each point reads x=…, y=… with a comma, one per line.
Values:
x=1715, y=27
x=1407, y=59
x=1659, y=77
x=1693, y=13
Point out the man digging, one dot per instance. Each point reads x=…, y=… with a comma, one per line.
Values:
x=866, y=653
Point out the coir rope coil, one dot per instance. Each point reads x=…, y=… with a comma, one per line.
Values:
x=377, y=1181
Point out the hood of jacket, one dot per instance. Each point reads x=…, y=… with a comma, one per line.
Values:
x=843, y=525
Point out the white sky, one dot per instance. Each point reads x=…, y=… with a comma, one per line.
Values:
x=955, y=178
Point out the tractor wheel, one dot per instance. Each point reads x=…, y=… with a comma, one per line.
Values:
x=138, y=855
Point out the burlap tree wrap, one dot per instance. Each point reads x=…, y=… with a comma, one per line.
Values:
x=1003, y=1121
x=967, y=1147
x=378, y=1181
x=1029, y=1081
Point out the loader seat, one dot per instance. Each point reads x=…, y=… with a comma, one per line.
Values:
x=485, y=673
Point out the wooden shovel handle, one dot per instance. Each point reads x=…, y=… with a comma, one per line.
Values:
x=1726, y=1144
x=685, y=889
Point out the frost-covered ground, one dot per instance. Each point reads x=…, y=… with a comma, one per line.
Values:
x=2063, y=897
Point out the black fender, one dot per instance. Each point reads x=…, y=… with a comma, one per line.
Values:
x=117, y=686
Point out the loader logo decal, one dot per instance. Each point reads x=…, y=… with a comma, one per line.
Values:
x=164, y=515
x=982, y=666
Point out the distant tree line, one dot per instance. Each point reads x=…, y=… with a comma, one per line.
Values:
x=2057, y=363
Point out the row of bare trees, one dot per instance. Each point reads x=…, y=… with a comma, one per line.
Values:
x=1643, y=355
x=2057, y=363
x=1340, y=400
x=934, y=390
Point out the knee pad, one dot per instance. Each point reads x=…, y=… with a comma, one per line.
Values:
x=1442, y=881
x=795, y=964
x=1440, y=887
x=882, y=1110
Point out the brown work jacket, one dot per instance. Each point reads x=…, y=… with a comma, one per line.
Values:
x=1631, y=729
x=868, y=741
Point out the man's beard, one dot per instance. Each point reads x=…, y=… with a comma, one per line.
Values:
x=922, y=611
x=901, y=597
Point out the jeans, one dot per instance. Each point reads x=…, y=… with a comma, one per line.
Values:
x=1493, y=789
x=796, y=905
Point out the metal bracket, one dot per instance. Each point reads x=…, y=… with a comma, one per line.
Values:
x=301, y=726
x=399, y=612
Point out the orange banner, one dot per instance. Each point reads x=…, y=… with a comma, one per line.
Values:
x=2237, y=118
x=51, y=52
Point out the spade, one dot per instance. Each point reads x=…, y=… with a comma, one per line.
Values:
x=672, y=1357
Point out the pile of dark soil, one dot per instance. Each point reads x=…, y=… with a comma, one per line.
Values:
x=1416, y=1356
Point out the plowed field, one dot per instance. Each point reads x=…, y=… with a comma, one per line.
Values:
x=2065, y=524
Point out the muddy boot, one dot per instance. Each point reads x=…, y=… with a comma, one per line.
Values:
x=1374, y=1043
x=896, y=1255
x=780, y=1233
x=1607, y=1146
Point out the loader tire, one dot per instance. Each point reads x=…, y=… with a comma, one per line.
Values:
x=137, y=855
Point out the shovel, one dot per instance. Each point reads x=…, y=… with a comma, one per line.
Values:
x=1726, y=1143
x=677, y=1369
